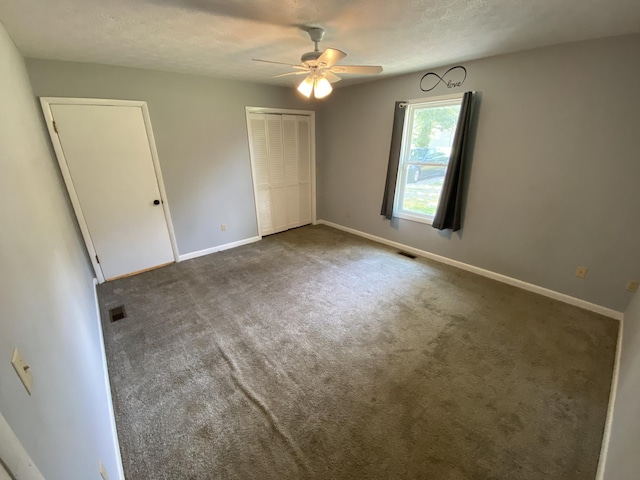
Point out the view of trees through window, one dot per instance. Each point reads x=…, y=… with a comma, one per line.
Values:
x=424, y=163
x=432, y=123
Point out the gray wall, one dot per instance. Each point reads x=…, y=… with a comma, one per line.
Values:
x=554, y=179
x=623, y=462
x=200, y=129
x=47, y=306
x=551, y=186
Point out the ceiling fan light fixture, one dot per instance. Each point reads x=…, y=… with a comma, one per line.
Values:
x=322, y=88
x=306, y=86
x=321, y=68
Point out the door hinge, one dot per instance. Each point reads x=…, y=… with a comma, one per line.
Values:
x=55, y=127
x=97, y=259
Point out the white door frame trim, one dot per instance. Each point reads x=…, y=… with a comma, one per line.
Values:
x=46, y=103
x=14, y=455
x=285, y=111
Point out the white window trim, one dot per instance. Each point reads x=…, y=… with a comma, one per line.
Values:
x=439, y=101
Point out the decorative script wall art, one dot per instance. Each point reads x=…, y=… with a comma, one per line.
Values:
x=454, y=77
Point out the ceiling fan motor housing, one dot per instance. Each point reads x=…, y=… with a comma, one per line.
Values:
x=310, y=58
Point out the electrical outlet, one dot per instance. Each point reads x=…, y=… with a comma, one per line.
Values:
x=633, y=285
x=22, y=369
x=102, y=470
x=223, y=227
x=581, y=272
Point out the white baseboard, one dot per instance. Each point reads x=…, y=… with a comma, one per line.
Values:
x=114, y=432
x=219, y=248
x=606, y=436
x=608, y=312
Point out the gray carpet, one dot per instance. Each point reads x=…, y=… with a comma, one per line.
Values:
x=314, y=354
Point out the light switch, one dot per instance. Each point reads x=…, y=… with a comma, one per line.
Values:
x=22, y=369
x=581, y=272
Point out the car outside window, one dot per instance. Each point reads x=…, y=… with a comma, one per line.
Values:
x=429, y=128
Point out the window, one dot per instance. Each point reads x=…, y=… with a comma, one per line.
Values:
x=429, y=127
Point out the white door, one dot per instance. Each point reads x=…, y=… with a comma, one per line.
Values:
x=303, y=133
x=277, y=181
x=107, y=152
x=280, y=147
x=260, y=163
x=290, y=140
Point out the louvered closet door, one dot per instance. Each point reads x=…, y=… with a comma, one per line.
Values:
x=304, y=169
x=291, y=167
x=281, y=158
x=260, y=158
x=276, y=173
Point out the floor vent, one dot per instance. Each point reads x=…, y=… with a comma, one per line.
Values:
x=117, y=313
x=407, y=254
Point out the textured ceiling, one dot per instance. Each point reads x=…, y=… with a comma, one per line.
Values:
x=220, y=37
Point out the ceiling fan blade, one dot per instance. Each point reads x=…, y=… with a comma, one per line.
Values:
x=277, y=63
x=303, y=72
x=330, y=57
x=332, y=77
x=357, y=69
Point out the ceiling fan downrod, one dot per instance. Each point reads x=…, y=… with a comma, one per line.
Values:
x=316, y=35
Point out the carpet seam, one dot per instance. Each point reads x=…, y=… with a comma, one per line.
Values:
x=236, y=375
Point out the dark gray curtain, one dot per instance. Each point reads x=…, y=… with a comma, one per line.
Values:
x=394, y=161
x=448, y=215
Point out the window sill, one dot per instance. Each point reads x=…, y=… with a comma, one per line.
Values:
x=414, y=218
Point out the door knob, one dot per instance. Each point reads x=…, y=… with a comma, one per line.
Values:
x=156, y=202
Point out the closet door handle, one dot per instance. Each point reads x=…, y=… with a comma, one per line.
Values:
x=156, y=202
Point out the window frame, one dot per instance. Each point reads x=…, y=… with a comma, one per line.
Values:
x=405, y=152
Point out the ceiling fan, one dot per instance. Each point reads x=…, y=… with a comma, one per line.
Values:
x=321, y=69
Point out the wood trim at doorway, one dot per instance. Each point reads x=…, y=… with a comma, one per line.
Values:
x=139, y=271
